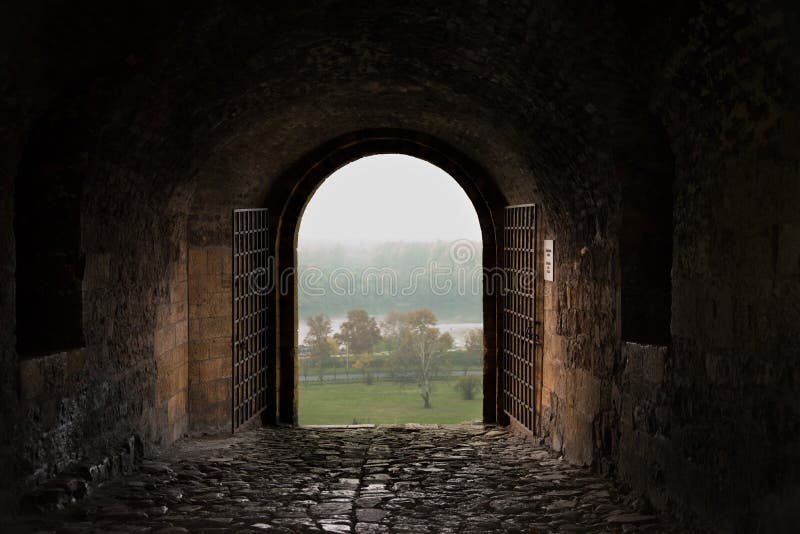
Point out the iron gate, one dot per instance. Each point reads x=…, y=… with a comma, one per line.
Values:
x=519, y=315
x=249, y=313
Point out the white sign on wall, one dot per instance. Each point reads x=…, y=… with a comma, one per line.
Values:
x=549, y=262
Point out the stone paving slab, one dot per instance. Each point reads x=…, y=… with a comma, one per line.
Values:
x=460, y=478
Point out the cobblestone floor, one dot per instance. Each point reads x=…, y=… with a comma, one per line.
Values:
x=387, y=479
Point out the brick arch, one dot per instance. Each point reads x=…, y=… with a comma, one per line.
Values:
x=308, y=174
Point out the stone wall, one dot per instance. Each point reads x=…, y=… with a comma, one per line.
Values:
x=705, y=426
x=171, y=347
x=60, y=408
x=210, y=338
x=581, y=325
x=642, y=399
x=716, y=429
x=130, y=380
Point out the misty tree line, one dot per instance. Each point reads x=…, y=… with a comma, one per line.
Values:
x=462, y=303
x=417, y=348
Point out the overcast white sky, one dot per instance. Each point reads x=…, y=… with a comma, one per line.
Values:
x=389, y=197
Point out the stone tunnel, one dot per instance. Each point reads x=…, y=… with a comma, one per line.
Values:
x=659, y=143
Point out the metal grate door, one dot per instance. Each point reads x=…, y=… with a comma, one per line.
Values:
x=249, y=313
x=519, y=315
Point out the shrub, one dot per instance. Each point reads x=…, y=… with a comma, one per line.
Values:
x=467, y=386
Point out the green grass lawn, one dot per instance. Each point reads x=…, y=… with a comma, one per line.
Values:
x=383, y=403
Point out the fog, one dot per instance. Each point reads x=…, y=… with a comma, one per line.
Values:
x=388, y=197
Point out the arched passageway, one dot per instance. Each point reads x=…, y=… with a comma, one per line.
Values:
x=657, y=144
x=484, y=197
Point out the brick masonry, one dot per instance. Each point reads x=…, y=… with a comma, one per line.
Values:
x=171, y=347
x=210, y=338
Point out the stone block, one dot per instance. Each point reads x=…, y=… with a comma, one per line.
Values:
x=194, y=374
x=212, y=415
x=178, y=272
x=198, y=349
x=217, y=391
x=197, y=261
x=162, y=314
x=183, y=251
x=645, y=364
x=211, y=304
x=181, y=381
x=164, y=339
x=178, y=292
x=178, y=311
x=195, y=308
x=197, y=399
x=226, y=282
x=74, y=362
x=588, y=392
x=181, y=332
x=207, y=328
x=219, y=305
x=545, y=398
x=206, y=283
x=555, y=347
x=560, y=386
x=632, y=355
x=219, y=348
x=164, y=384
x=196, y=333
x=220, y=413
x=214, y=369
x=653, y=364
x=549, y=297
x=550, y=322
x=578, y=444
x=218, y=260
x=550, y=373
x=171, y=380
x=31, y=379
x=166, y=360
x=176, y=407
x=180, y=354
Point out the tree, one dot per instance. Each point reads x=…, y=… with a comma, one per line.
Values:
x=423, y=347
x=364, y=362
x=390, y=330
x=360, y=332
x=317, y=339
x=473, y=340
x=473, y=345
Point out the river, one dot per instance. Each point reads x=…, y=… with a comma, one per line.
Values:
x=457, y=330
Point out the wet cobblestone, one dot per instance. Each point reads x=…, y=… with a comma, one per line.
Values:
x=387, y=479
